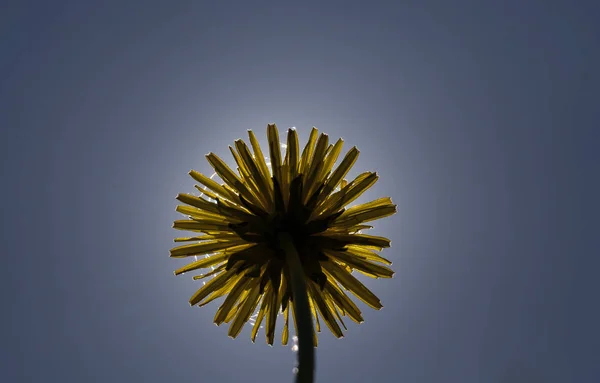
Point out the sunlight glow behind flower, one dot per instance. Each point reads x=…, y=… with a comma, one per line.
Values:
x=299, y=193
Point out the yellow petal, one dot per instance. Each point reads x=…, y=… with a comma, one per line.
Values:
x=307, y=153
x=203, y=263
x=361, y=264
x=341, y=171
x=353, y=192
x=343, y=301
x=283, y=287
x=242, y=169
x=285, y=183
x=271, y=317
x=332, y=156
x=260, y=160
x=334, y=202
x=352, y=284
x=384, y=201
x=361, y=239
x=223, y=290
x=256, y=174
x=274, y=150
x=198, y=202
x=313, y=310
x=316, y=164
x=201, y=215
x=205, y=192
x=214, y=187
x=286, y=332
x=247, y=308
x=365, y=215
x=220, y=236
x=223, y=170
x=198, y=226
x=292, y=153
x=217, y=270
x=204, y=247
x=233, y=312
x=261, y=312
x=248, y=180
x=212, y=285
x=357, y=228
x=324, y=310
x=234, y=212
x=231, y=300
x=367, y=254
x=333, y=308
x=230, y=177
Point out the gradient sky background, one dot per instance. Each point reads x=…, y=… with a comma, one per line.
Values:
x=481, y=117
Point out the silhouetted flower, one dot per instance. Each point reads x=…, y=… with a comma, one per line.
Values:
x=303, y=195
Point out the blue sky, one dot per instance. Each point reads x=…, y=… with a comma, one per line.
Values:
x=481, y=118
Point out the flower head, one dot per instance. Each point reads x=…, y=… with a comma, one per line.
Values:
x=303, y=195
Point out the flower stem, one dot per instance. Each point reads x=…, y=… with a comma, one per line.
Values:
x=306, y=348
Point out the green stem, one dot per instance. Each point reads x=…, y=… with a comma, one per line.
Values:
x=306, y=348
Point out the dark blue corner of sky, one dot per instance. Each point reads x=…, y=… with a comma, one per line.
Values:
x=481, y=117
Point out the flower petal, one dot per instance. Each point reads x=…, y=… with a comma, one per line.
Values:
x=286, y=331
x=333, y=308
x=292, y=153
x=260, y=160
x=231, y=300
x=361, y=264
x=214, y=187
x=199, y=213
x=205, y=192
x=261, y=312
x=189, y=225
x=203, y=263
x=217, y=270
x=341, y=171
x=212, y=285
x=332, y=156
x=271, y=312
x=355, y=216
x=324, y=310
x=316, y=164
x=343, y=301
x=352, y=284
x=308, y=152
x=204, y=247
x=274, y=150
x=334, y=202
x=221, y=291
x=359, y=239
x=230, y=177
x=313, y=309
x=367, y=254
x=247, y=308
x=274, y=304
x=200, y=203
x=249, y=182
x=256, y=174
x=352, y=192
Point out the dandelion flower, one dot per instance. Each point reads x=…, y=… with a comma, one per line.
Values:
x=246, y=225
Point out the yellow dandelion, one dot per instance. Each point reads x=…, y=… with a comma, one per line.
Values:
x=276, y=237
